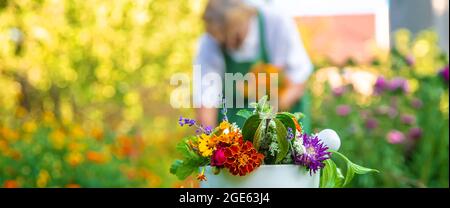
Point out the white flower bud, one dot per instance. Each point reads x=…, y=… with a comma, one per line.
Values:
x=330, y=138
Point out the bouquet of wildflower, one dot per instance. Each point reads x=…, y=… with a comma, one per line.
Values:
x=265, y=138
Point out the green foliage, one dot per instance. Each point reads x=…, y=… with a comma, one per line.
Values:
x=331, y=176
x=244, y=113
x=99, y=64
x=257, y=128
x=250, y=127
x=282, y=141
x=191, y=160
x=287, y=120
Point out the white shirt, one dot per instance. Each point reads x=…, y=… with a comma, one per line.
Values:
x=283, y=45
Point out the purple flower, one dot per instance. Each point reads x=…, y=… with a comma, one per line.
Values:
x=371, y=123
x=416, y=103
x=392, y=112
x=180, y=121
x=408, y=119
x=410, y=60
x=343, y=110
x=191, y=122
x=395, y=137
x=339, y=91
x=445, y=73
x=398, y=84
x=290, y=134
x=208, y=130
x=415, y=133
x=314, y=155
x=380, y=85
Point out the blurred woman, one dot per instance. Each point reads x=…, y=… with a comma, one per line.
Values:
x=237, y=37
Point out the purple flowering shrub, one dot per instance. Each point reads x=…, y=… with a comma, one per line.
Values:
x=401, y=127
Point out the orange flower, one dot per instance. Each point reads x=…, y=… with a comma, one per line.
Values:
x=266, y=69
x=126, y=146
x=9, y=134
x=73, y=185
x=224, y=125
x=201, y=176
x=297, y=126
x=97, y=133
x=11, y=184
x=229, y=139
x=95, y=157
x=242, y=158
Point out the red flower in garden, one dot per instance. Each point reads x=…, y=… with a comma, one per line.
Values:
x=218, y=158
x=242, y=158
x=10, y=184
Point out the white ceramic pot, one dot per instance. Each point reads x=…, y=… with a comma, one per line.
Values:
x=266, y=176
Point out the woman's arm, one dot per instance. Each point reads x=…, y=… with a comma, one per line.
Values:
x=291, y=95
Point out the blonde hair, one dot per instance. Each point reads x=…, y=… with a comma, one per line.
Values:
x=217, y=11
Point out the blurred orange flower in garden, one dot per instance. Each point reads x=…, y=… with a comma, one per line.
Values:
x=10, y=184
x=96, y=157
x=97, y=133
x=73, y=185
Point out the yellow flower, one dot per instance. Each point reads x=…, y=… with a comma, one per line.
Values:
x=78, y=132
x=43, y=179
x=29, y=126
x=57, y=139
x=224, y=125
x=206, y=145
x=74, y=158
x=48, y=117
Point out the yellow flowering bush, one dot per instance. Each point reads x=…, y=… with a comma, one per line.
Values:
x=79, y=82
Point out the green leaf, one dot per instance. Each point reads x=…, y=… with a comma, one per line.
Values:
x=184, y=148
x=286, y=119
x=353, y=168
x=175, y=165
x=331, y=176
x=191, y=160
x=244, y=113
x=182, y=169
x=250, y=127
x=258, y=136
x=283, y=143
x=299, y=116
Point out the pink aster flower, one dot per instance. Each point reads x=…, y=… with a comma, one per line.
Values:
x=395, y=137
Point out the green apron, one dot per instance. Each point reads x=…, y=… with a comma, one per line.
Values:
x=232, y=66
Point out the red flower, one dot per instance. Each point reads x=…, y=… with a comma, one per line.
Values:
x=218, y=158
x=242, y=158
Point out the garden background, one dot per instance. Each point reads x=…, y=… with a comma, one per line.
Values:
x=84, y=95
